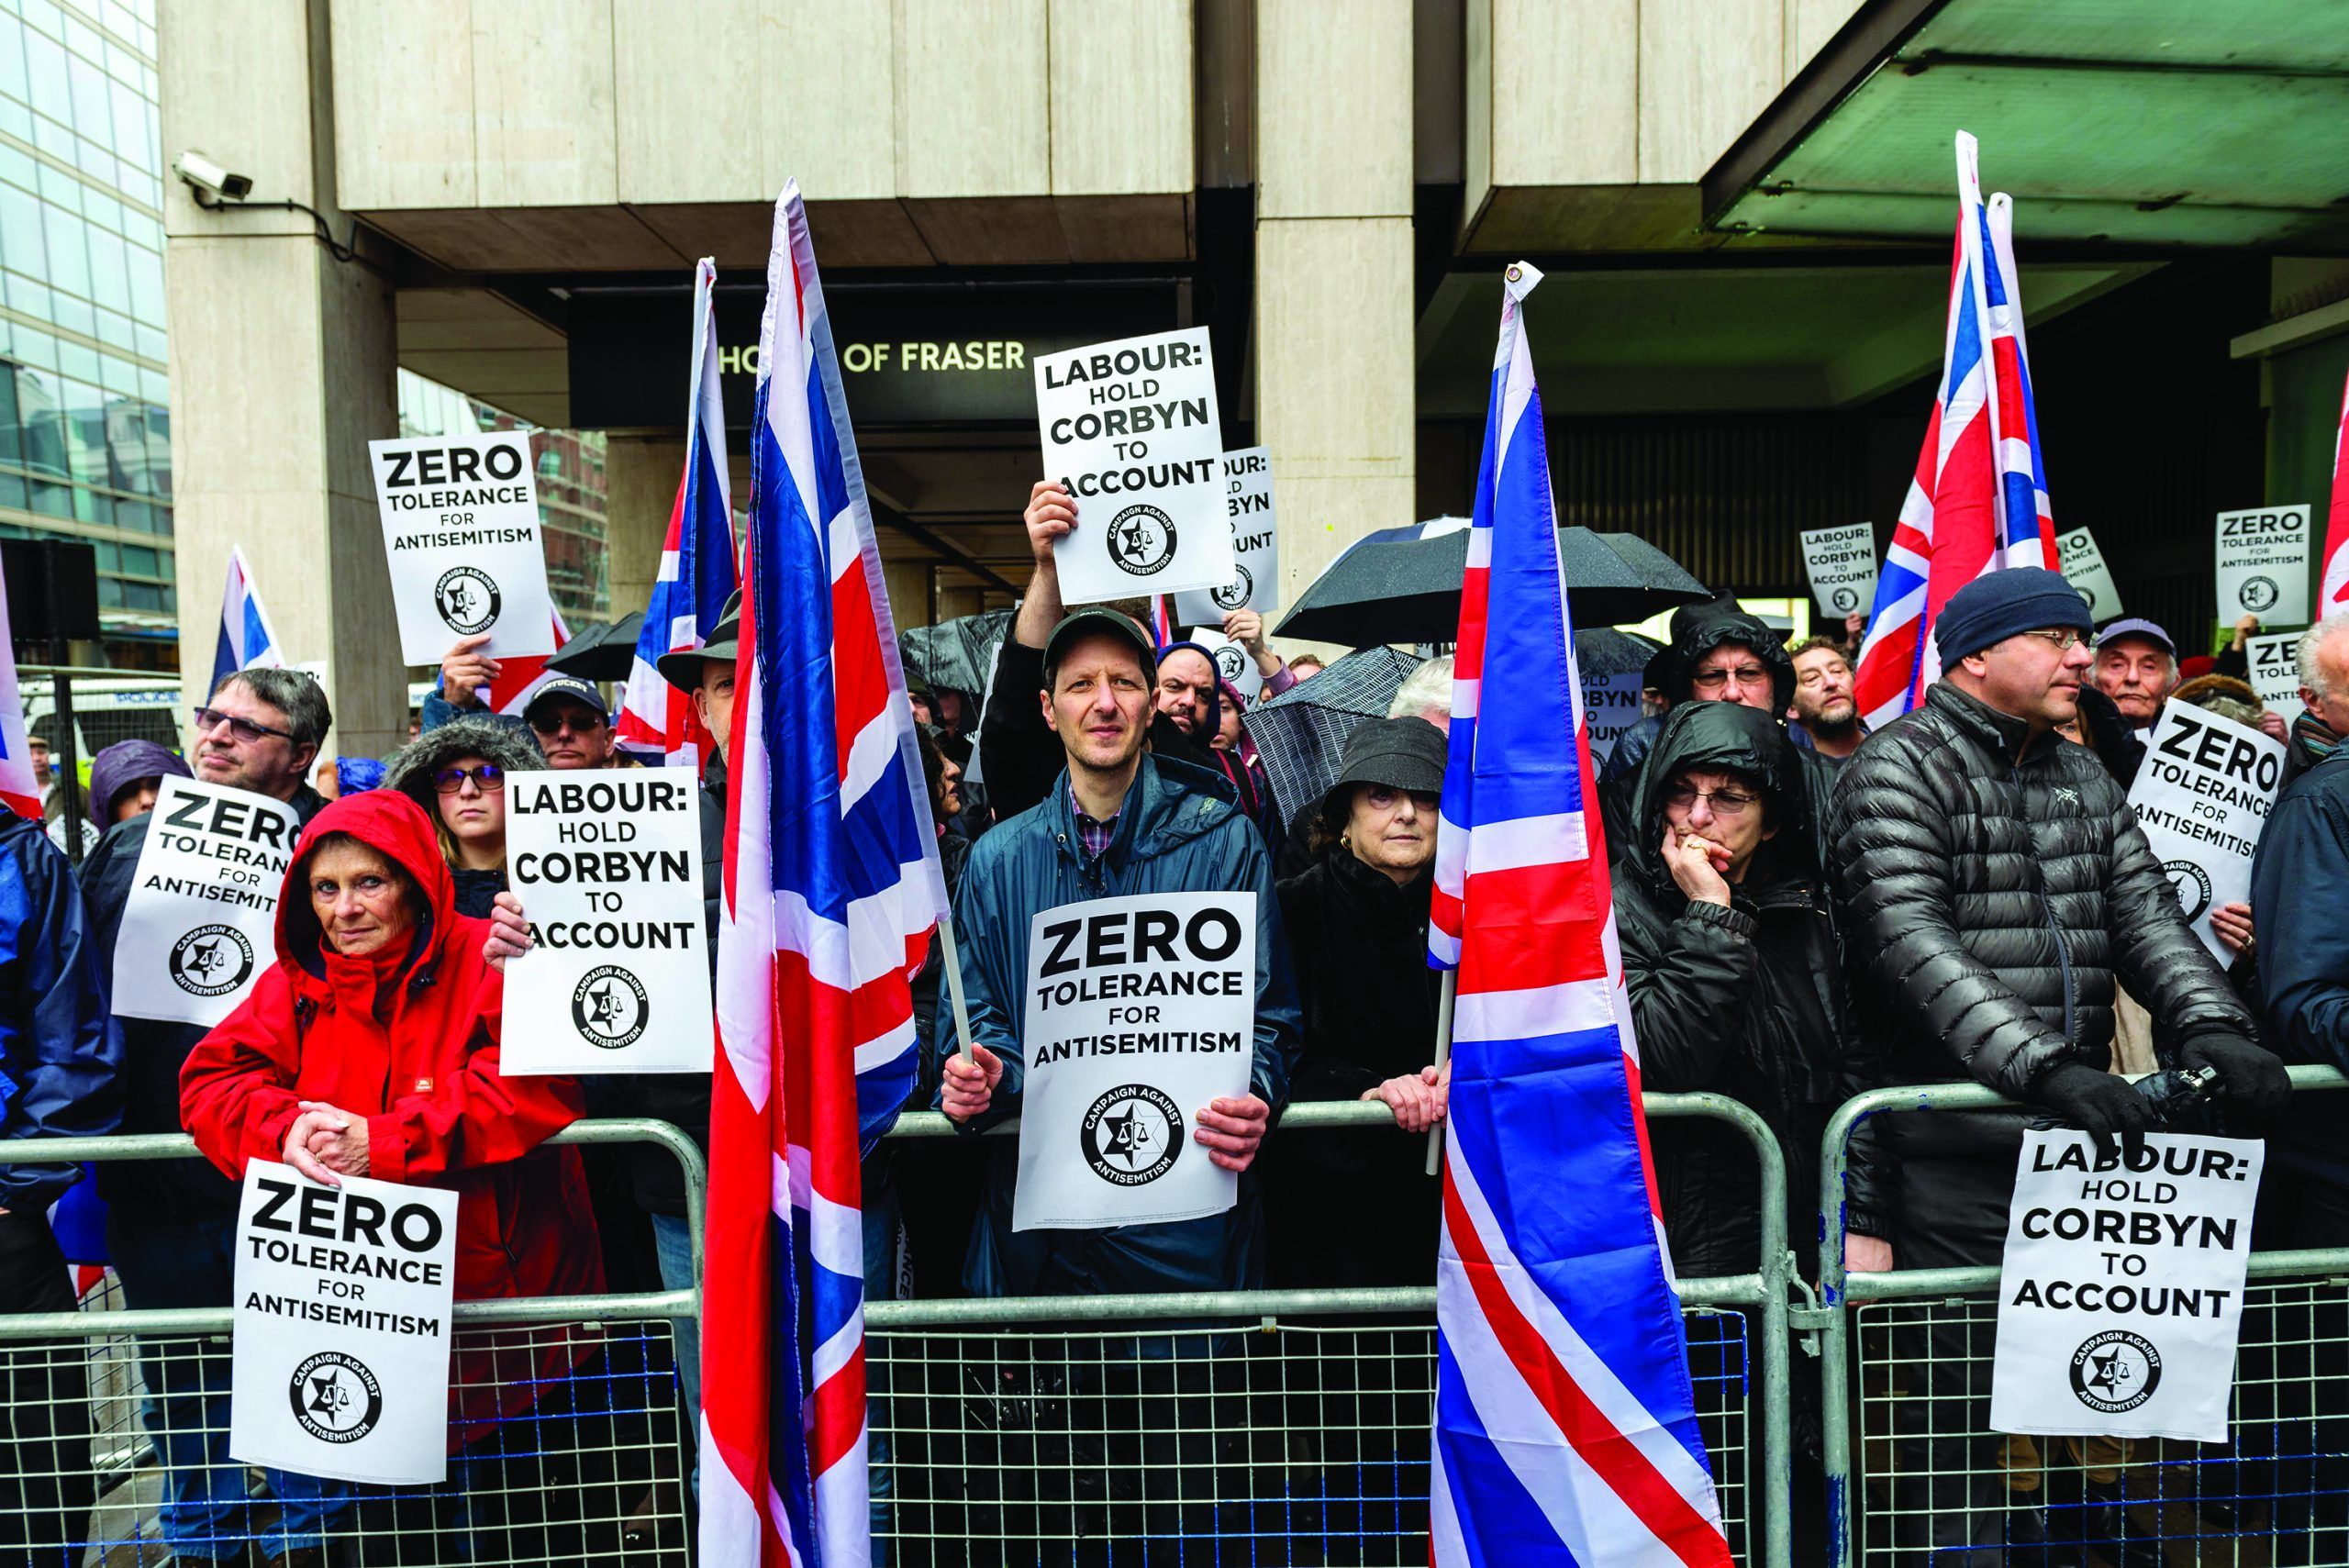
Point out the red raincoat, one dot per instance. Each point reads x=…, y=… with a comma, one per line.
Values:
x=410, y=1043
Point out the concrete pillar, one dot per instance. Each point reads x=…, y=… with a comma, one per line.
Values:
x=1334, y=321
x=640, y=474
x=908, y=585
x=281, y=362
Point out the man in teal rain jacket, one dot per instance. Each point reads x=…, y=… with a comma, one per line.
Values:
x=1117, y=821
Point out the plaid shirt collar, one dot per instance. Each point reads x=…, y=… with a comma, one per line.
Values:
x=1094, y=836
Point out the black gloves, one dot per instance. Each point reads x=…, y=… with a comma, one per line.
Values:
x=2248, y=1074
x=2103, y=1106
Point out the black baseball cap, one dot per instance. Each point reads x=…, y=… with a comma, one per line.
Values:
x=586, y=693
x=1096, y=620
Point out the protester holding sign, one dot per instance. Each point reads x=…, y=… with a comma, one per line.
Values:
x=1118, y=824
x=170, y=1223
x=370, y=1047
x=1993, y=887
x=61, y=1076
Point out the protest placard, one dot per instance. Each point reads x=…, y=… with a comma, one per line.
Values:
x=1130, y=429
x=339, y=1358
x=2120, y=1293
x=1140, y=1010
x=1611, y=705
x=201, y=920
x=460, y=526
x=2080, y=561
x=2274, y=661
x=1232, y=662
x=1841, y=564
x=608, y=868
x=1255, y=542
x=2202, y=795
x=2263, y=565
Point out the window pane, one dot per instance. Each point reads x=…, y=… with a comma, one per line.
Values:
x=45, y=71
x=146, y=284
x=69, y=256
x=109, y=270
x=21, y=245
x=44, y=443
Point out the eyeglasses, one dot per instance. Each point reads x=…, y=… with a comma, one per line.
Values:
x=1714, y=680
x=244, y=730
x=1724, y=802
x=489, y=775
x=2066, y=639
x=578, y=723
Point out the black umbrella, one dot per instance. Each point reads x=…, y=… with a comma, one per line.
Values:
x=1301, y=733
x=603, y=652
x=1603, y=651
x=1403, y=585
x=954, y=655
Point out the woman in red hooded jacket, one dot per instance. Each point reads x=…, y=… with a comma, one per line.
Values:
x=370, y=1049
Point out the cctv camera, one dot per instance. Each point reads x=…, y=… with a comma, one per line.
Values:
x=209, y=180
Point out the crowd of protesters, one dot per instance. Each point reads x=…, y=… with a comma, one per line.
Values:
x=1806, y=910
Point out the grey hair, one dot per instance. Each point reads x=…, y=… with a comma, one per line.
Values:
x=2314, y=638
x=1424, y=690
x=294, y=693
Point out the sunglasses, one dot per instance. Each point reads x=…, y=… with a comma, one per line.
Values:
x=578, y=722
x=244, y=730
x=489, y=777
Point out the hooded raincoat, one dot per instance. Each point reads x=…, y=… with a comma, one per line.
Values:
x=409, y=1040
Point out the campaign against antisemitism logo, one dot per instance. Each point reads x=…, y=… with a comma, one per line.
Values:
x=1846, y=600
x=609, y=1008
x=336, y=1399
x=2260, y=593
x=1131, y=1135
x=2116, y=1370
x=1141, y=540
x=2193, y=884
x=1231, y=663
x=467, y=598
x=1233, y=594
x=211, y=961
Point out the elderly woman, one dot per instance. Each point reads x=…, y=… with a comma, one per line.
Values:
x=370, y=1047
x=1350, y=1206
x=457, y=774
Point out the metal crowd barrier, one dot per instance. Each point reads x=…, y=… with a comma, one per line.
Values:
x=1254, y=1425
x=1910, y=1446
x=595, y=1468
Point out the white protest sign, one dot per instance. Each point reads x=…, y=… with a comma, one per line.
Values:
x=2276, y=672
x=1611, y=705
x=2263, y=565
x=607, y=867
x=1232, y=662
x=2121, y=1295
x=201, y=920
x=2202, y=795
x=340, y=1361
x=1255, y=542
x=1140, y=1010
x=460, y=526
x=1841, y=564
x=1130, y=429
x=2080, y=561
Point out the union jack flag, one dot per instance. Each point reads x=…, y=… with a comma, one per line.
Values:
x=1979, y=502
x=2335, y=595
x=246, y=642
x=1566, y=1427
x=831, y=887
x=657, y=721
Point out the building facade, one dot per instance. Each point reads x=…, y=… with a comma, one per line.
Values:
x=1743, y=207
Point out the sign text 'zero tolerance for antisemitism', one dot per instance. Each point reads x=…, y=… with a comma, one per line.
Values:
x=201, y=921
x=2202, y=795
x=341, y=1358
x=608, y=868
x=2263, y=565
x=1140, y=1010
x=1130, y=429
x=461, y=529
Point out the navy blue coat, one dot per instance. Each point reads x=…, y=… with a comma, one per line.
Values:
x=1180, y=832
x=2300, y=907
x=60, y=1066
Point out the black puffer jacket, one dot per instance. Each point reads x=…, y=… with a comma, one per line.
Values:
x=1356, y=1206
x=1746, y=1001
x=1989, y=904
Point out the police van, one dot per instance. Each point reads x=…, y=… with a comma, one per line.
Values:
x=106, y=708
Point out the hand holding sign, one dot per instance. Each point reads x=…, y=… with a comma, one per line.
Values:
x=1233, y=1129
x=969, y=1082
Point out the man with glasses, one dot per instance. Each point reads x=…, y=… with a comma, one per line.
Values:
x=171, y=1224
x=572, y=726
x=1994, y=887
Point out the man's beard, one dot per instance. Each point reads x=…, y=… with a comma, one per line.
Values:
x=1820, y=724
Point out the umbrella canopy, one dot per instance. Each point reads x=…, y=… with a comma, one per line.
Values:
x=603, y=652
x=1301, y=734
x=956, y=655
x=1603, y=651
x=1403, y=585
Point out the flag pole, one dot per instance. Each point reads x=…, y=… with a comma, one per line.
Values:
x=954, y=990
x=1442, y=1055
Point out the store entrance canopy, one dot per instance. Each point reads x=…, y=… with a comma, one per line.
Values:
x=2155, y=123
